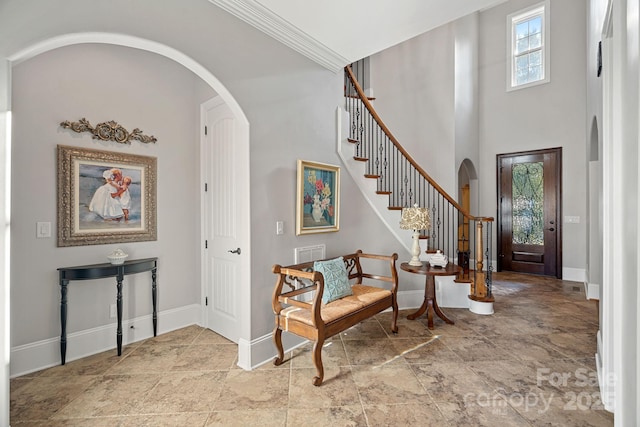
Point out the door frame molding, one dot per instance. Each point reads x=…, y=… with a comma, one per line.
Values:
x=558, y=184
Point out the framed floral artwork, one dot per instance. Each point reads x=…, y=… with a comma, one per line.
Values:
x=318, y=198
x=105, y=197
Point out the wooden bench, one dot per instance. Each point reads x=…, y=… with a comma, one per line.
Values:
x=299, y=309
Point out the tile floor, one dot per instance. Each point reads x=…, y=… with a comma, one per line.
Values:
x=529, y=364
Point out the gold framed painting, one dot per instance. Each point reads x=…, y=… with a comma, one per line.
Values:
x=105, y=197
x=318, y=198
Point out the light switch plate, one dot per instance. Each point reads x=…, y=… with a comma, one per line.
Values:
x=43, y=230
x=279, y=227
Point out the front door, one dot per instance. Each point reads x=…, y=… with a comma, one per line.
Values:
x=529, y=212
x=226, y=251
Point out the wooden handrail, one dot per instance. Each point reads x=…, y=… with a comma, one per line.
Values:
x=395, y=142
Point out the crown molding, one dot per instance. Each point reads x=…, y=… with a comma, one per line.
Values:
x=265, y=20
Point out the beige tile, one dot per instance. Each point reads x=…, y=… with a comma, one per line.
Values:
x=566, y=410
x=97, y=364
x=41, y=398
x=477, y=349
x=369, y=329
x=110, y=395
x=183, y=392
x=149, y=358
x=248, y=417
x=450, y=381
x=404, y=414
x=508, y=376
x=337, y=389
x=406, y=328
x=389, y=385
x=206, y=357
x=207, y=336
x=576, y=344
x=260, y=389
x=526, y=347
x=333, y=355
x=372, y=352
x=183, y=336
x=327, y=417
x=74, y=422
x=488, y=413
x=421, y=350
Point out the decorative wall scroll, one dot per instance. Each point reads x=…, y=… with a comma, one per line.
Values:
x=108, y=131
x=105, y=197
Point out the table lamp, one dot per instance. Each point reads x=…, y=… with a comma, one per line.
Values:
x=415, y=219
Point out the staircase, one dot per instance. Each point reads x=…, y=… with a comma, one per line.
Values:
x=399, y=182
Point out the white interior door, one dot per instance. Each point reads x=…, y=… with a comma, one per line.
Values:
x=226, y=251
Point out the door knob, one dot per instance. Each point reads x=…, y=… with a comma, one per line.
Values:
x=237, y=251
x=551, y=229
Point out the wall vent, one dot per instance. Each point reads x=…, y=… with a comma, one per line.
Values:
x=306, y=254
x=309, y=253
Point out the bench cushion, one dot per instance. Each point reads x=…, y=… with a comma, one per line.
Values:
x=363, y=296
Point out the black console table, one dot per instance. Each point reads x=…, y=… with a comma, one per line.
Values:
x=99, y=271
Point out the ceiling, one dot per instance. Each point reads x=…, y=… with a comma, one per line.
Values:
x=335, y=33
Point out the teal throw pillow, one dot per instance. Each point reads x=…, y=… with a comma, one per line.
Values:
x=336, y=282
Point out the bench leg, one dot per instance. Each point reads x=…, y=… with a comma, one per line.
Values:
x=394, y=317
x=317, y=361
x=277, y=340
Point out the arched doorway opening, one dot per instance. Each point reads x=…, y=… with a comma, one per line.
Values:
x=244, y=290
x=468, y=199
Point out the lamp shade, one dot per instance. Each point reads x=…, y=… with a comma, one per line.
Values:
x=415, y=218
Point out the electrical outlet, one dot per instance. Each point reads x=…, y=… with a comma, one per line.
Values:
x=113, y=312
x=572, y=219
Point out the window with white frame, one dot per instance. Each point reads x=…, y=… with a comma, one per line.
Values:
x=528, y=47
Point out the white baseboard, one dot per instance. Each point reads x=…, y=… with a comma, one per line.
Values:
x=574, y=274
x=605, y=381
x=592, y=290
x=262, y=350
x=46, y=353
x=410, y=299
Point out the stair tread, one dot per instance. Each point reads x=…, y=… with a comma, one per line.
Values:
x=360, y=159
x=371, y=176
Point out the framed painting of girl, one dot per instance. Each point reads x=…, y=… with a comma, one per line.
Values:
x=105, y=197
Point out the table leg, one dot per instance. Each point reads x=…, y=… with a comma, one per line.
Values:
x=433, y=303
x=154, y=298
x=420, y=311
x=63, y=319
x=119, y=308
x=430, y=305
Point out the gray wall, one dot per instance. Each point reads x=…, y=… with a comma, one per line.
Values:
x=543, y=116
x=443, y=94
x=413, y=84
x=290, y=103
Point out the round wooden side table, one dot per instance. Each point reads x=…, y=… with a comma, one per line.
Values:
x=430, y=305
